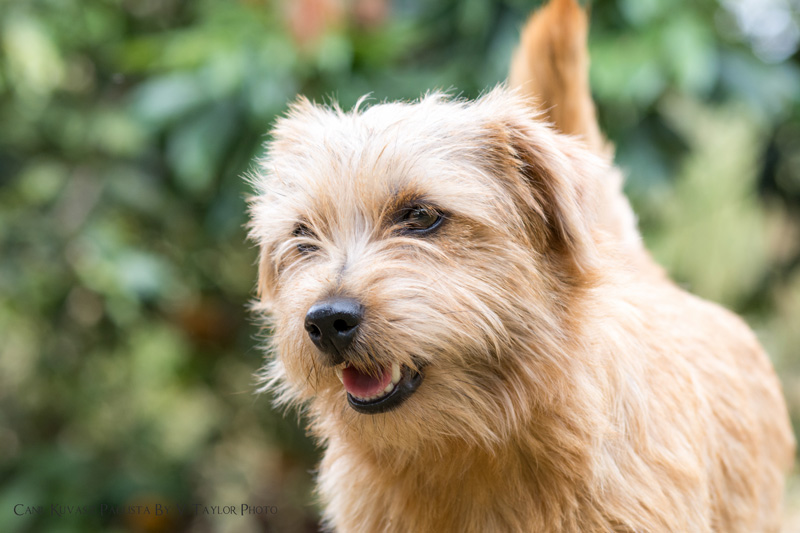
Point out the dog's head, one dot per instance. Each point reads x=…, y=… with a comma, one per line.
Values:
x=421, y=264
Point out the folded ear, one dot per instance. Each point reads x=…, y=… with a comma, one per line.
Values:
x=566, y=193
x=554, y=181
x=267, y=272
x=265, y=289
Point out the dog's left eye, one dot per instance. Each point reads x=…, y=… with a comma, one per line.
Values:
x=421, y=219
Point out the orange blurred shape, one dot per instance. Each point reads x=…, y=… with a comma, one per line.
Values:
x=370, y=13
x=308, y=20
x=150, y=513
x=208, y=321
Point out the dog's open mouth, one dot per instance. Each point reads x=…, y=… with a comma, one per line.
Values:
x=373, y=394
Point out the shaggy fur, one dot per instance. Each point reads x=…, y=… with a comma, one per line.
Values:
x=569, y=386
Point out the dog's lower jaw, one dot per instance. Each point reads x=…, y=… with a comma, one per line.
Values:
x=402, y=386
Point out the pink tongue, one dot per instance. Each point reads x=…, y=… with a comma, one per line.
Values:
x=364, y=385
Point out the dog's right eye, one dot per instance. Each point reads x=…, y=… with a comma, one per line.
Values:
x=302, y=231
x=421, y=219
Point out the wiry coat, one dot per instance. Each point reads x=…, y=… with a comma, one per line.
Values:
x=568, y=385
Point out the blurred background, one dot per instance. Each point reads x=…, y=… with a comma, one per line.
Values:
x=126, y=351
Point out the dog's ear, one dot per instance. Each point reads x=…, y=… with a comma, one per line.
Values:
x=267, y=270
x=555, y=183
x=265, y=289
x=565, y=193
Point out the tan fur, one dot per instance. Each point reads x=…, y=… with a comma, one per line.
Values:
x=551, y=65
x=566, y=387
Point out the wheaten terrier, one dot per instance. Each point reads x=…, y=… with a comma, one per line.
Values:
x=462, y=308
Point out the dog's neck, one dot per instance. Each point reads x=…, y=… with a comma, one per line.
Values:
x=375, y=496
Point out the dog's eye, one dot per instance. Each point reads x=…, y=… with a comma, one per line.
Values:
x=421, y=219
x=302, y=231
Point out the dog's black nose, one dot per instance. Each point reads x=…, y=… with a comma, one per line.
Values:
x=332, y=324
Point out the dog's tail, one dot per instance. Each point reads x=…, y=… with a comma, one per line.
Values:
x=551, y=65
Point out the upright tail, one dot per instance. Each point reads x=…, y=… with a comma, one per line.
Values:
x=551, y=65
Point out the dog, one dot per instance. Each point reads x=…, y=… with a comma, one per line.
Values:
x=459, y=302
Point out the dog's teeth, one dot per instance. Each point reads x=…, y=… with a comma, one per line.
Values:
x=338, y=371
x=374, y=397
x=395, y=374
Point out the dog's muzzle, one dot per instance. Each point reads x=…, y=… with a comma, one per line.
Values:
x=332, y=325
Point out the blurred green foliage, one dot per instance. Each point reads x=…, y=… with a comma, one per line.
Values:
x=127, y=353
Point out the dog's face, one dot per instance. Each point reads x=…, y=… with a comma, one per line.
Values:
x=392, y=244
